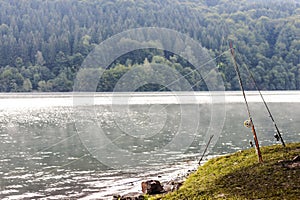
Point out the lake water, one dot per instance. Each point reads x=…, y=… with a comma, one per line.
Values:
x=90, y=146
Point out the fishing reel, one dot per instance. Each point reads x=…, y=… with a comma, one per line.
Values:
x=248, y=123
x=276, y=136
x=251, y=143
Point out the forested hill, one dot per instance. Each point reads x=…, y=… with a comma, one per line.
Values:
x=43, y=42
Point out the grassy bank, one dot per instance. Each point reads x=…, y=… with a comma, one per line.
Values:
x=240, y=176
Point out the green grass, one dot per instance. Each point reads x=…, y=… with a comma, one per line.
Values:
x=240, y=176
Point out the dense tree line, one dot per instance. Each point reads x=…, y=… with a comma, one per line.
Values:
x=43, y=43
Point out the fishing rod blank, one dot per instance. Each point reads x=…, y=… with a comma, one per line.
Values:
x=278, y=136
x=205, y=149
x=249, y=114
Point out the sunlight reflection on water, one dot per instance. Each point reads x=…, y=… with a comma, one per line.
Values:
x=41, y=154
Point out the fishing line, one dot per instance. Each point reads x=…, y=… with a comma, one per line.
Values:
x=192, y=71
x=85, y=155
x=195, y=70
x=202, y=79
x=49, y=147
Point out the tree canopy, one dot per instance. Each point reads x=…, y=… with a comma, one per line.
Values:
x=43, y=43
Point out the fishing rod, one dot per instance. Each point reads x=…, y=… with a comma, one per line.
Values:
x=205, y=149
x=248, y=110
x=278, y=135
